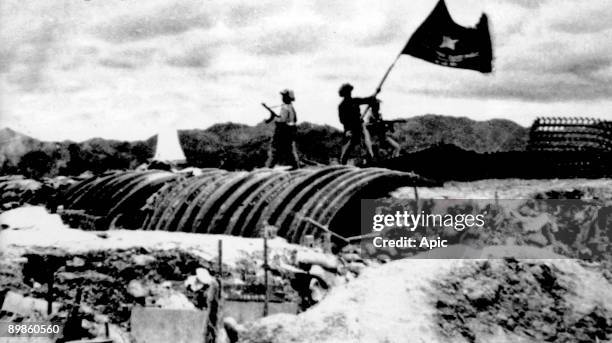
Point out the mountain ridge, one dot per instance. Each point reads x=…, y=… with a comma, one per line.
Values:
x=239, y=146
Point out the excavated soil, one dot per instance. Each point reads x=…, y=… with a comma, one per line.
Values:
x=420, y=300
x=505, y=299
x=528, y=299
x=119, y=269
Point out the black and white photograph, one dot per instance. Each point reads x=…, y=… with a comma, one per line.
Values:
x=306, y=171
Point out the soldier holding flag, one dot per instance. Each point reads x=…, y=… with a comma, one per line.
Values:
x=438, y=40
x=350, y=117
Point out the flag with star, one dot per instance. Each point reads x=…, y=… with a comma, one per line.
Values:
x=441, y=41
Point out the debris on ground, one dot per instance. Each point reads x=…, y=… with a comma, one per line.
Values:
x=166, y=270
x=424, y=300
x=526, y=298
x=343, y=297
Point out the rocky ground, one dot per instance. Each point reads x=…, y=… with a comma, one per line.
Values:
x=498, y=292
x=119, y=269
x=504, y=296
x=423, y=300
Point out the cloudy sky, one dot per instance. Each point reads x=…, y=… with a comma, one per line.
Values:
x=76, y=69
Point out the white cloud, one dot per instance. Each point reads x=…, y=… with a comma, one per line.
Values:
x=124, y=68
x=172, y=19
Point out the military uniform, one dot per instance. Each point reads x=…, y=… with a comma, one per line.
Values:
x=380, y=129
x=350, y=116
x=282, y=147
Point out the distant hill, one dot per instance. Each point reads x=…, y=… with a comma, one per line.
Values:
x=238, y=146
x=13, y=145
x=481, y=136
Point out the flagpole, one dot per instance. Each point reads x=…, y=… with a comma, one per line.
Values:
x=387, y=72
x=382, y=81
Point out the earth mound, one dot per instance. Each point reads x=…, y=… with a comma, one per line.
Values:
x=420, y=300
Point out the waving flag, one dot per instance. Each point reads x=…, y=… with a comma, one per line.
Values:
x=441, y=41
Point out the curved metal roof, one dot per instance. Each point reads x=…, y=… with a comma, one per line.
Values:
x=236, y=203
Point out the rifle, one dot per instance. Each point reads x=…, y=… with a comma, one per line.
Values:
x=395, y=121
x=386, y=124
x=272, y=113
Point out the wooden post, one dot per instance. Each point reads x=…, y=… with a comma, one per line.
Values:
x=73, y=327
x=416, y=198
x=220, y=268
x=327, y=243
x=496, y=200
x=51, y=276
x=214, y=300
x=265, y=266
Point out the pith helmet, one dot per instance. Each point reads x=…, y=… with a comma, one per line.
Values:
x=345, y=89
x=289, y=93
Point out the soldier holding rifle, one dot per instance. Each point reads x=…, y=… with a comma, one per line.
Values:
x=380, y=128
x=282, y=147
